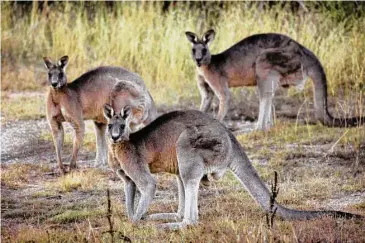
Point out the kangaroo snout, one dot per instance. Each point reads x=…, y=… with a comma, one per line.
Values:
x=198, y=61
x=115, y=138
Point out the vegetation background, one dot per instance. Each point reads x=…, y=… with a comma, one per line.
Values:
x=148, y=38
x=316, y=164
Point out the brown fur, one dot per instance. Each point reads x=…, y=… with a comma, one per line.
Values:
x=84, y=98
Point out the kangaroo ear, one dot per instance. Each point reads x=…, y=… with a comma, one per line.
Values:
x=108, y=111
x=193, y=38
x=208, y=37
x=48, y=62
x=125, y=112
x=63, y=62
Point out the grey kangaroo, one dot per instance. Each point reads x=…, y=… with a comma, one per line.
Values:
x=83, y=99
x=267, y=61
x=190, y=145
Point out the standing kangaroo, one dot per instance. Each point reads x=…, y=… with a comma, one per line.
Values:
x=265, y=60
x=190, y=145
x=83, y=99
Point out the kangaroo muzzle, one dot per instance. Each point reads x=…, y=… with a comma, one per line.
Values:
x=115, y=134
x=198, y=61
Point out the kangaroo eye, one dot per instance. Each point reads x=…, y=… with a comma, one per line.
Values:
x=194, y=51
x=110, y=126
x=60, y=75
x=204, y=51
x=122, y=127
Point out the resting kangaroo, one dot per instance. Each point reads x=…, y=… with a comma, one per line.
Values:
x=190, y=145
x=265, y=60
x=83, y=99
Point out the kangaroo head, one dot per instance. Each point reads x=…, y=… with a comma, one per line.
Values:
x=56, y=72
x=200, y=50
x=118, y=123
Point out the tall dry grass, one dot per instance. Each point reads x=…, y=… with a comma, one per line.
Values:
x=142, y=38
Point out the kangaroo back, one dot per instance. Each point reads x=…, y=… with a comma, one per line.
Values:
x=127, y=93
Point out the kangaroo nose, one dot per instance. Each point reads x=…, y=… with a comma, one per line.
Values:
x=115, y=137
x=54, y=85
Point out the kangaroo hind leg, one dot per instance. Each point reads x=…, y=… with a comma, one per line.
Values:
x=191, y=169
x=58, y=137
x=77, y=141
x=180, y=211
x=266, y=89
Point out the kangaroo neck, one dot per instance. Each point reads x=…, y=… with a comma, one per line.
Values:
x=214, y=61
x=125, y=152
x=57, y=94
x=203, y=69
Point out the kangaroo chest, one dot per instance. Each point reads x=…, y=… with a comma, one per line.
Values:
x=235, y=75
x=157, y=161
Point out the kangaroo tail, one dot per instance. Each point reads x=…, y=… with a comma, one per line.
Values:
x=247, y=175
x=317, y=74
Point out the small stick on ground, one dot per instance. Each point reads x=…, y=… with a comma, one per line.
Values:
x=109, y=214
x=274, y=193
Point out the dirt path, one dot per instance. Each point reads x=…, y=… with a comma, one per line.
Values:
x=21, y=141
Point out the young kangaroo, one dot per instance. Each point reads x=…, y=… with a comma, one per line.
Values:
x=83, y=99
x=190, y=145
x=268, y=61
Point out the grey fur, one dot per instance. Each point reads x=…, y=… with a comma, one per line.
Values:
x=268, y=61
x=190, y=145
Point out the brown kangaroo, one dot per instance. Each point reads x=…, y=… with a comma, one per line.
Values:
x=268, y=61
x=188, y=144
x=83, y=99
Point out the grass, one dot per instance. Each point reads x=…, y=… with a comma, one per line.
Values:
x=18, y=175
x=22, y=106
x=70, y=216
x=316, y=164
x=88, y=180
x=141, y=38
x=287, y=133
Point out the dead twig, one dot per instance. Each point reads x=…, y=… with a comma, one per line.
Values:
x=274, y=193
x=109, y=215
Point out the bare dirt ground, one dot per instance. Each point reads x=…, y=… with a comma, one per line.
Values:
x=39, y=202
